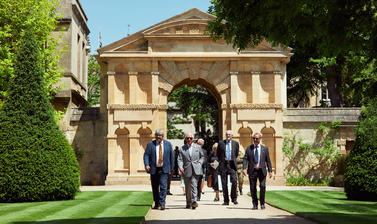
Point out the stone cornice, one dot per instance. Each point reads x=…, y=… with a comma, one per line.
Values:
x=252, y=106
x=137, y=107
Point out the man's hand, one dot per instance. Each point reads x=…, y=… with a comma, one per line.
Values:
x=147, y=168
x=172, y=172
x=270, y=175
x=244, y=172
x=182, y=170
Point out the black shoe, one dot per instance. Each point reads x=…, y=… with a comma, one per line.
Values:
x=226, y=203
x=262, y=207
x=156, y=207
x=216, y=199
x=162, y=208
x=169, y=193
x=198, y=199
x=188, y=206
x=254, y=208
x=202, y=192
x=240, y=192
x=235, y=202
x=194, y=205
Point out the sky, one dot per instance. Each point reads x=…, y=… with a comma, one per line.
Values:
x=112, y=17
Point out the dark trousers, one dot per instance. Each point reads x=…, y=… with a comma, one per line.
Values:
x=169, y=182
x=257, y=174
x=229, y=170
x=200, y=186
x=159, y=185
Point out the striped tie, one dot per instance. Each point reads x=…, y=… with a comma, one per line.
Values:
x=160, y=155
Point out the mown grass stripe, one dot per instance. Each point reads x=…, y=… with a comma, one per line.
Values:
x=325, y=207
x=77, y=210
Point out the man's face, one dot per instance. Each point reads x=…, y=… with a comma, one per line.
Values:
x=228, y=135
x=189, y=139
x=256, y=139
x=201, y=144
x=159, y=138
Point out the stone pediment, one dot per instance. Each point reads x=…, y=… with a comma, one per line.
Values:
x=182, y=33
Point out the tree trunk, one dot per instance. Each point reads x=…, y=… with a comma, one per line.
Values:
x=334, y=82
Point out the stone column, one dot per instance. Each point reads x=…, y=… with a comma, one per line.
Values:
x=111, y=144
x=133, y=87
x=255, y=82
x=111, y=86
x=278, y=89
x=279, y=172
x=134, y=147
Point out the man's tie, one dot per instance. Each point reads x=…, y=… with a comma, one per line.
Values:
x=160, y=155
x=228, y=150
x=256, y=155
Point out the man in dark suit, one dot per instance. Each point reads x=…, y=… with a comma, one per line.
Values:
x=159, y=162
x=228, y=153
x=257, y=158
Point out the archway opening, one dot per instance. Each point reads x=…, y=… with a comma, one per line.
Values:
x=194, y=106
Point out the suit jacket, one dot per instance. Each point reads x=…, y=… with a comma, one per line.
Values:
x=264, y=159
x=167, y=160
x=233, y=154
x=191, y=164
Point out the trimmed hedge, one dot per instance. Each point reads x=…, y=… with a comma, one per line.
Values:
x=36, y=161
x=360, y=177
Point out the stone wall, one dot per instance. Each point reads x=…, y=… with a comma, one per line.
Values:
x=303, y=123
x=86, y=133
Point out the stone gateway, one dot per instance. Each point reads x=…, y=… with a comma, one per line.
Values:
x=141, y=70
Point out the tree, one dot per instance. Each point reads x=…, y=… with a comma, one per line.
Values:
x=39, y=16
x=36, y=161
x=94, y=72
x=331, y=28
x=360, y=180
x=198, y=103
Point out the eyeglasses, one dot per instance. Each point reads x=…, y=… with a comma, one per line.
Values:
x=189, y=138
x=255, y=138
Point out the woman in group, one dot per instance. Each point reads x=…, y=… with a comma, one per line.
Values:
x=212, y=169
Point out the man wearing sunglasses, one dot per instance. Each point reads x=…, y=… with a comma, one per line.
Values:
x=159, y=162
x=228, y=152
x=257, y=158
x=190, y=161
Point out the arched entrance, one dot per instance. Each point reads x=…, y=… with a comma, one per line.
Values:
x=211, y=100
x=140, y=71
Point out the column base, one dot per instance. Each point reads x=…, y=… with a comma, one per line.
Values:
x=125, y=179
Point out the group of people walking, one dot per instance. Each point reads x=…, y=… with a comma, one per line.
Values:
x=222, y=161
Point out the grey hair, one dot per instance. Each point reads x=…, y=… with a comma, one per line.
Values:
x=159, y=132
x=200, y=140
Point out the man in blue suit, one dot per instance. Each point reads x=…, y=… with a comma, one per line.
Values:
x=159, y=162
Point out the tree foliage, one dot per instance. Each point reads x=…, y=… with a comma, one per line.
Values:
x=198, y=103
x=94, y=72
x=39, y=16
x=36, y=161
x=334, y=30
x=360, y=179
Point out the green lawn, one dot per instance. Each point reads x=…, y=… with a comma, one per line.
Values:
x=324, y=206
x=88, y=207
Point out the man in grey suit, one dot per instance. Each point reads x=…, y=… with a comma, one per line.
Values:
x=257, y=157
x=190, y=160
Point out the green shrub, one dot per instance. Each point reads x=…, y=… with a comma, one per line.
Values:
x=36, y=161
x=360, y=177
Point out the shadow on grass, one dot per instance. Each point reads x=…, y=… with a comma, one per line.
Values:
x=323, y=217
x=112, y=220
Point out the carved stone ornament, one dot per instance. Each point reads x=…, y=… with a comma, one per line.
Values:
x=137, y=107
x=252, y=106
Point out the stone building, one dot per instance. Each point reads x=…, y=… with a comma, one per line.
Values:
x=74, y=60
x=141, y=70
